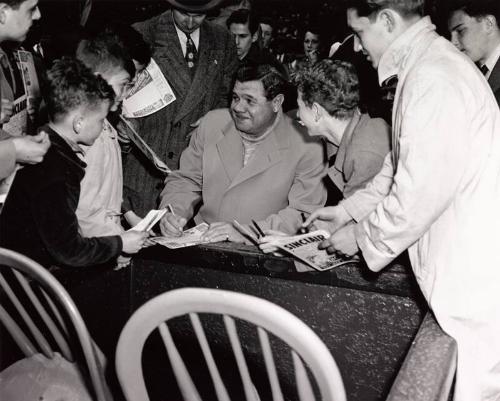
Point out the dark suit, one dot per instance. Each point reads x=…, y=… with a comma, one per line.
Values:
x=167, y=131
x=494, y=81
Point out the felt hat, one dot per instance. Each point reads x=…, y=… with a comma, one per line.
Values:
x=195, y=6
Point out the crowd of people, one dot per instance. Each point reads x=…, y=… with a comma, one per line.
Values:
x=404, y=155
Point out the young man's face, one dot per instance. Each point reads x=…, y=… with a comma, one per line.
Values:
x=118, y=79
x=267, y=35
x=243, y=39
x=188, y=22
x=16, y=22
x=252, y=113
x=370, y=36
x=92, y=123
x=469, y=35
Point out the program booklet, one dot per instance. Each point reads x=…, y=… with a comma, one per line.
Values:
x=305, y=248
x=188, y=238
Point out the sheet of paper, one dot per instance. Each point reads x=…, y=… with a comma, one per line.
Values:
x=148, y=222
x=188, y=238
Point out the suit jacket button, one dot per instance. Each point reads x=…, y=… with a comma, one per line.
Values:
x=170, y=155
x=177, y=124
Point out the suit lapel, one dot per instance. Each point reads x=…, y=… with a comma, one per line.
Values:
x=171, y=56
x=230, y=150
x=494, y=79
x=207, y=66
x=267, y=154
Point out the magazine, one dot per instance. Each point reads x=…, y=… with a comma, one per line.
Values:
x=188, y=238
x=150, y=93
x=305, y=248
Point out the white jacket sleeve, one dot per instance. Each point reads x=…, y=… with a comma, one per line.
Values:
x=433, y=145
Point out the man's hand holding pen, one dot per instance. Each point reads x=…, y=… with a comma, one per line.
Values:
x=171, y=224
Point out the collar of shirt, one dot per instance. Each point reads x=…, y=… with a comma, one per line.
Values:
x=195, y=36
x=394, y=58
x=346, y=139
x=72, y=144
x=492, y=60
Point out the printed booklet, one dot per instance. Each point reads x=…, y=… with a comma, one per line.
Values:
x=305, y=248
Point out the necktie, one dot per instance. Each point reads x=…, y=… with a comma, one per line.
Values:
x=484, y=69
x=191, y=55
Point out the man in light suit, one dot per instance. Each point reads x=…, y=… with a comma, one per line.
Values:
x=248, y=162
x=198, y=59
x=437, y=194
x=474, y=26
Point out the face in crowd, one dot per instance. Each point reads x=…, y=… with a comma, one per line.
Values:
x=91, y=122
x=17, y=21
x=267, y=35
x=252, y=112
x=308, y=116
x=119, y=79
x=243, y=38
x=311, y=44
x=370, y=36
x=469, y=35
x=188, y=22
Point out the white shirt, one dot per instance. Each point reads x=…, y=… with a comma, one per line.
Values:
x=492, y=60
x=195, y=36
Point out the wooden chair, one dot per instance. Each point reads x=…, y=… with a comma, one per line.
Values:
x=35, y=296
x=306, y=347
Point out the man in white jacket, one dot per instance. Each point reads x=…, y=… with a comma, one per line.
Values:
x=438, y=194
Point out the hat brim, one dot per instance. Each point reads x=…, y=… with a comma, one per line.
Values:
x=193, y=8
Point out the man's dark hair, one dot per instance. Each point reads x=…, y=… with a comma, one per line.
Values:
x=104, y=52
x=244, y=16
x=273, y=81
x=370, y=8
x=14, y=4
x=332, y=84
x=268, y=21
x=69, y=84
x=132, y=41
x=477, y=8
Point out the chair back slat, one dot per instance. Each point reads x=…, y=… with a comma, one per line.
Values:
x=248, y=386
x=55, y=294
x=304, y=388
x=270, y=365
x=17, y=334
x=37, y=334
x=311, y=357
x=220, y=389
x=184, y=380
x=49, y=322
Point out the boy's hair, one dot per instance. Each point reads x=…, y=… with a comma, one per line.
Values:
x=273, y=81
x=104, y=52
x=332, y=84
x=477, y=8
x=370, y=8
x=245, y=17
x=69, y=84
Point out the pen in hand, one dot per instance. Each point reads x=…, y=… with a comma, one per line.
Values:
x=303, y=230
x=259, y=230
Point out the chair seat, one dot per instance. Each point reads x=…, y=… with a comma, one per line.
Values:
x=41, y=378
